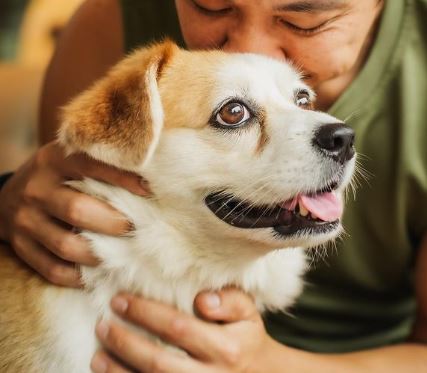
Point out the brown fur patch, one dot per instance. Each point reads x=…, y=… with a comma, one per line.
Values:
x=263, y=137
x=116, y=110
x=21, y=328
x=195, y=80
x=168, y=51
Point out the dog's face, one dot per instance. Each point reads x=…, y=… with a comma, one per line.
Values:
x=228, y=143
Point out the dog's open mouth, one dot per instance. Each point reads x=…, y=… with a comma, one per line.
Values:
x=317, y=212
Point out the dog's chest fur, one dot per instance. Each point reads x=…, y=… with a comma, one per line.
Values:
x=157, y=262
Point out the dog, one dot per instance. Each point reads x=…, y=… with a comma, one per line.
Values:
x=244, y=175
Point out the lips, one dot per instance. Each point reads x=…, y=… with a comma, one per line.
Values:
x=315, y=212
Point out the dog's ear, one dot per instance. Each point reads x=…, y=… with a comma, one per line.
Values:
x=119, y=119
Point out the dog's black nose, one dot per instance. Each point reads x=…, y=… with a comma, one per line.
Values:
x=336, y=140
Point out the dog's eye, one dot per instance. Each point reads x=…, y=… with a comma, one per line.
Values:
x=232, y=114
x=303, y=100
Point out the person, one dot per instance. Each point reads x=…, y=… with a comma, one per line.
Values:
x=364, y=308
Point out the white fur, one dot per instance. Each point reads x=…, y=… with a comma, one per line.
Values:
x=179, y=247
x=156, y=111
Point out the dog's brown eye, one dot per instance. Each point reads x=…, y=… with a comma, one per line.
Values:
x=233, y=114
x=303, y=99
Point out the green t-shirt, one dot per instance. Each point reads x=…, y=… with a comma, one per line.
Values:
x=361, y=294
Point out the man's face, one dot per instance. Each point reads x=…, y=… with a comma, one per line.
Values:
x=327, y=39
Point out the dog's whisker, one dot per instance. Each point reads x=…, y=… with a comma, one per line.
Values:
x=252, y=204
x=361, y=173
x=352, y=115
x=361, y=156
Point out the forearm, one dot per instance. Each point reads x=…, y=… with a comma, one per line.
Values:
x=408, y=358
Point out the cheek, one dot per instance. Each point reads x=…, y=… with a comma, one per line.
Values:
x=203, y=36
x=326, y=57
x=339, y=51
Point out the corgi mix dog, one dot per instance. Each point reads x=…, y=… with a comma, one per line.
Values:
x=244, y=175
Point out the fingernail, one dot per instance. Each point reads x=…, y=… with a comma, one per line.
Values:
x=130, y=227
x=212, y=300
x=119, y=304
x=102, y=329
x=98, y=365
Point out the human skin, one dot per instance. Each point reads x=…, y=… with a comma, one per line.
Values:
x=94, y=40
x=328, y=40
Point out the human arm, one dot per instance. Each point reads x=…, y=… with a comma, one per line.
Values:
x=37, y=211
x=91, y=43
x=240, y=343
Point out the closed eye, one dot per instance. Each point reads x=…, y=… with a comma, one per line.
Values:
x=305, y=31
x=210, y=12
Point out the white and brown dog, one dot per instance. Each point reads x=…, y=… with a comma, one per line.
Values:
x=243, y=173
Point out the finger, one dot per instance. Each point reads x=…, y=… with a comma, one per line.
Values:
x=67, y=245
x=203, y=340
x=61, y=242
x=94, y=169
x=227, y=305
x=102, y=363
x=86, y=212
x=141, y=354
x=52, y=269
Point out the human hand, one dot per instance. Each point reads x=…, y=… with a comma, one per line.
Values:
x=237, y=343
x=38, y=211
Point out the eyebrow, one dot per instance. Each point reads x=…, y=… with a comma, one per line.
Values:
x=312, y=6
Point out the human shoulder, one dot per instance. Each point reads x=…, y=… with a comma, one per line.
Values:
x=96, y=22
x=91, y=43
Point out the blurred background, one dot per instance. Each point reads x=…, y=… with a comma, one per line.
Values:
x=28, y=33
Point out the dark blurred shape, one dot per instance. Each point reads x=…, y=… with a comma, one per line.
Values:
x=29, y=31
x=11, y=13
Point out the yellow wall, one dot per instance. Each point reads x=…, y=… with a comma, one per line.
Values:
x=20, y=80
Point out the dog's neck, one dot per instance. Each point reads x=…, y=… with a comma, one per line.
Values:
x=171, y=260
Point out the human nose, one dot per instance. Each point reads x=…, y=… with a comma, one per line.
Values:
x=251, y=39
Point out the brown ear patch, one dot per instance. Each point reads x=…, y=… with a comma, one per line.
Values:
x=116, y=113
x=169, y=48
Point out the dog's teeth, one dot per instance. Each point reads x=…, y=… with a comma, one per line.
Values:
x=302, y=210
x=314, y=216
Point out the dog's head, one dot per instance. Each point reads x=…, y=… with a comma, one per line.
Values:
x=228, y=142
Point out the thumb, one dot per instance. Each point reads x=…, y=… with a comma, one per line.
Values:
x=227, y=305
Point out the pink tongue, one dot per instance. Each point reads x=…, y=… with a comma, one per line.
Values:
x=326, y=206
